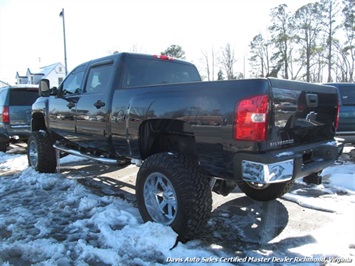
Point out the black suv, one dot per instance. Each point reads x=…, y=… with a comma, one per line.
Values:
x=16, y=104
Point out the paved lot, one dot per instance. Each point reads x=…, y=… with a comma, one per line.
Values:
x=237, y=223
x=236, y=220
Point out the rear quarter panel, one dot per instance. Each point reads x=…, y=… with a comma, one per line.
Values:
x=206, y=108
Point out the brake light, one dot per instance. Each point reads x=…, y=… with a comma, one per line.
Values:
x=337, y=118
x=251, y=118
x=163, y=57
x=5, y=115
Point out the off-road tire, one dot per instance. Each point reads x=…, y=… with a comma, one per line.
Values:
x=3, y=146
x=40, y=148
x=191, y=187
x=269, y=192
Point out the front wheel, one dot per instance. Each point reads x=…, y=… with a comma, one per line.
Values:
x=40, y=152
x=171, y=190
x=265, y=192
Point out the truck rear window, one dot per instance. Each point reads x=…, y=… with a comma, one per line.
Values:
x=23, y=97
x=347, y=94
x=143, y=72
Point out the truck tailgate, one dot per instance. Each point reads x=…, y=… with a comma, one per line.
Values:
x=302, y=113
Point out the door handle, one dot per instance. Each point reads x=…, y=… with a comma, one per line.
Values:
x=99, y=104
x=71, y=105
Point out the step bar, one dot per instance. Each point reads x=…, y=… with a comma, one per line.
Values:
x=88, y=156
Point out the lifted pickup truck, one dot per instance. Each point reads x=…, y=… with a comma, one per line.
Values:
x=188, y=137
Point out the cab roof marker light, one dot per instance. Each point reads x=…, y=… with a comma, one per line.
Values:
x=163, y=57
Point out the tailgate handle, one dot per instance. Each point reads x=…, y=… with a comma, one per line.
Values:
x=312, y=100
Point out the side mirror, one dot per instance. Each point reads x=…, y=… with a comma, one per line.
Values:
x=43, y=89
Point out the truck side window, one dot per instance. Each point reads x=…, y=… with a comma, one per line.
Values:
x=347, y=95
x=72, y=84
x=98, y=78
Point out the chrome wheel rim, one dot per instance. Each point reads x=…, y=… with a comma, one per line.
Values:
x=33, y=153
x=160, y=198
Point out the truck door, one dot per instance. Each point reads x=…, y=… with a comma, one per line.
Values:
x=62, y=108
x=92, y=112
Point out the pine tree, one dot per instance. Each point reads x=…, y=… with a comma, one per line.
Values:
x=175, y=51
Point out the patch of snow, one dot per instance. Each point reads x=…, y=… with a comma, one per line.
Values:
x=48, y=219
x=14, y=162
x=342, y=176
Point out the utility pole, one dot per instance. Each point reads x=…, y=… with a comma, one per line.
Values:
x=61, y=14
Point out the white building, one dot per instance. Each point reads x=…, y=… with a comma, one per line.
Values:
x=55, y=73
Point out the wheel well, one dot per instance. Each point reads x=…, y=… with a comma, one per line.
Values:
x=166, y=135
x=38, y=122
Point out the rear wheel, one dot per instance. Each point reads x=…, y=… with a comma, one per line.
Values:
x=171, y=190
x=3, y=146
x=40, y=152
x=265, y=192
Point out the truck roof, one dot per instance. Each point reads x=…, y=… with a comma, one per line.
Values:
x=21, y=86
x=140, y=55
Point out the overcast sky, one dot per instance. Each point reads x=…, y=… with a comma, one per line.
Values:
x=31, y=32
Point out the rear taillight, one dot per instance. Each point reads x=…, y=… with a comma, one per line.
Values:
x=337, y=118
x=251, y=118
x=5, y=115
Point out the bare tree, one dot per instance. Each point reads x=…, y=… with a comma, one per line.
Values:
x=259, y=60
x=307, y=24
x=330, y=11
x=208, y=60
x=206, y=63
x=343, y=64
x=281, y=33
x=316, y=43
x=349, y=28
x=227, y=61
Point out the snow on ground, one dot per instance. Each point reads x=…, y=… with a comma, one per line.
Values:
x=48, y=219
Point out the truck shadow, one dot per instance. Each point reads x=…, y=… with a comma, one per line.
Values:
x=103, y=185
x=248, y=221
x=243, y=225
x=103, y=179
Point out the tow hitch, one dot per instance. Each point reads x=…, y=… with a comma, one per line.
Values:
x=313, y=179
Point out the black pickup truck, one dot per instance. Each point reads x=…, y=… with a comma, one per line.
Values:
x=188, y=137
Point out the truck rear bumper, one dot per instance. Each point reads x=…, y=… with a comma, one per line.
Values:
x=267, y=173
x=284, y=165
